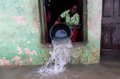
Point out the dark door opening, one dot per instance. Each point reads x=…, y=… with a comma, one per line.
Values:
x=55, y=7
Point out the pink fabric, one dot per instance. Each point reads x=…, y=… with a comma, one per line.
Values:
x=74, y=34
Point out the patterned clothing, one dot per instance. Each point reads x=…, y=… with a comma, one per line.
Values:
x=70, y=21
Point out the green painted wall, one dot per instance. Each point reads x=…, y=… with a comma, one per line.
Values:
x=20, y=34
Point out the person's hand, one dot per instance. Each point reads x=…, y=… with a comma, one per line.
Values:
x=56, y=22
x=76, y=27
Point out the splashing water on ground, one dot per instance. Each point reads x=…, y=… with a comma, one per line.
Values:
x=60, y=56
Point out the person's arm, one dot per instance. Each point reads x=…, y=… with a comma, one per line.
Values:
x=77, y=20
x=58, y=20
x=62, y=15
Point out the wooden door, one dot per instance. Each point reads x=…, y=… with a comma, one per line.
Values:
x=110, y=36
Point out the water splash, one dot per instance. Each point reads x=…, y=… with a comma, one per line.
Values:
x=60, y=56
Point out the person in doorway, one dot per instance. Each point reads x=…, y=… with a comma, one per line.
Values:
x=72, y=19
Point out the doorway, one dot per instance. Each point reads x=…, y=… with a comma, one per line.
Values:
x=110, y=35
x=53, y=8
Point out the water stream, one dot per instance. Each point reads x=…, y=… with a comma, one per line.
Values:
x=60, y=56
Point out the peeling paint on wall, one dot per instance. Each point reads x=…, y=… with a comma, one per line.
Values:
x=19, y=30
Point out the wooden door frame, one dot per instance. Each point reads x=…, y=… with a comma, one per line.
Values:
x=43, y=21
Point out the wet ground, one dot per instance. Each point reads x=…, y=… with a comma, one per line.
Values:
x=107, y=69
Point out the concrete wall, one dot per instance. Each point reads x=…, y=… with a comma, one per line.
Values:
x=20, y=34
x=92, y=49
